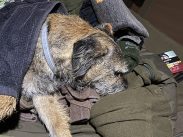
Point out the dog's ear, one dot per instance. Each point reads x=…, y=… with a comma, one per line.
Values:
x=85, y=52
x=106, y=27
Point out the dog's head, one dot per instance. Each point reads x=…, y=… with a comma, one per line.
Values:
x=97, y=61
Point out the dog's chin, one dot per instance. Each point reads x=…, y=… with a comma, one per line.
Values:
x=104, y=89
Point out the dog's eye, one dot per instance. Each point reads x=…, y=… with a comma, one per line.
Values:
x=118, y=73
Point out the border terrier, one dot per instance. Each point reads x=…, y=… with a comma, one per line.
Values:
x=84, y=57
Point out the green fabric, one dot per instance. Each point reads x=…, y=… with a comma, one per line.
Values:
x=138, y=111
x=159, y=42
x=26, y=129
x=83, y=131
x=2, y=2
x=36, y=129
x=179, y=122
x=180, y=97
x=5, y=136
x=130, y=53
x=73, y=6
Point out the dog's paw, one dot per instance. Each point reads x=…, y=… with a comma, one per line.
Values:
x=7, y=106
x=64, y=134
x=99, y=1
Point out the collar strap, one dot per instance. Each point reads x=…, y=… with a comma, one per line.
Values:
x=46, y=50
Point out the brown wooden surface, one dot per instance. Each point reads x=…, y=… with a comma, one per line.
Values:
x=166, y=15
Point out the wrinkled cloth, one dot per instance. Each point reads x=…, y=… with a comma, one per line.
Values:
x=146, y=109
x=27, y=110
x=20, y=24
x=130, y=53
x=119, y=16
x=78, y=104
x=28, y=117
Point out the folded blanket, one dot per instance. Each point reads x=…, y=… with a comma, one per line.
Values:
x=20, y=24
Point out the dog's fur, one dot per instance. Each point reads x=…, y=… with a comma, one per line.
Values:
x=84, y=56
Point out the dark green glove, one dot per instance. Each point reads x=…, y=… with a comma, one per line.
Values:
x=130, y=52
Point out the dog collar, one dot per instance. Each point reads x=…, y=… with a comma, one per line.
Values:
x=46, y=50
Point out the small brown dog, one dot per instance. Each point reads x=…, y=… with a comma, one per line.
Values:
x=84, y=56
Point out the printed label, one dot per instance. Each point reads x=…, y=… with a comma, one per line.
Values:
x=172, y=61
